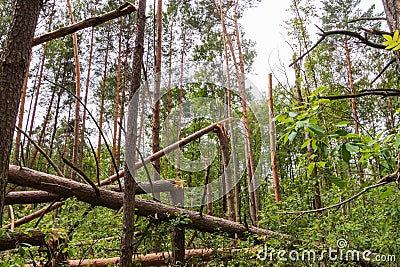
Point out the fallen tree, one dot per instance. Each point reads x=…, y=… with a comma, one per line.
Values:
x=36, y=197
x=12, y=240
x=154, y=259
x=113, y=200
x=121, y=11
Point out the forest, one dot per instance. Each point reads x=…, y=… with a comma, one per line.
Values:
x=130, y=135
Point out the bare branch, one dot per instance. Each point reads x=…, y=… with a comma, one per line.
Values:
x=59, y=172
x=384, y=69
x=323, y=35
x=379, y=92
x=337, y=204
x=366, y=18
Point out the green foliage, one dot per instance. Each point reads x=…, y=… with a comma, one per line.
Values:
x=392, y=42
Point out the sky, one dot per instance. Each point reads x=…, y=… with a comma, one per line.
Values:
x=264, y=24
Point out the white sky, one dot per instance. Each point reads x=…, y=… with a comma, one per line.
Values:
x=264, y=24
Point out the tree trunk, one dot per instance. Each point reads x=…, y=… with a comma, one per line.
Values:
x=13, y=65
x=128, y=223
x=85, y=101
x=157, y=87
x=21, y=115
x=272, y=145
x=117, y=88
x=103, y=87
x=353, y=104
x=114, y=200
x=76, y=159
x=392, y=10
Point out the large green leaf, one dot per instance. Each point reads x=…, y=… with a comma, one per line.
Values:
x=316, y=129
x=352, y=148
x=345, y=154
x=337, y=181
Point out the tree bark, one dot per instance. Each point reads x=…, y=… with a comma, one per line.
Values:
x=157, y=87
x=13, y=65
x=128, y=223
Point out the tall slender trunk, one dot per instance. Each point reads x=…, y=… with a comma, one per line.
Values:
x=169, y=97
x=76, y=159
x=13, y=64
x=128, y=223
x=85, y=101
x=157, y=87
x=180, y=101
x=53, y=135
x=36, y=99
x=178, y=235
x=103, y=87
x=353, y=104
x=117, y=89
x=66, y=148
x=272, y=145
x=242, y=88
x=253, y=198
x=44, y=128
x=21, y=115
x=122, y=111
x=231, y=128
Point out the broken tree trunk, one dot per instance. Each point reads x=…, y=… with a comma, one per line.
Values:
x=121, y=11
x=165, y=151
x=113, y=200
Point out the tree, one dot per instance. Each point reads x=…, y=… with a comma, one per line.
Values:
x=13, y=66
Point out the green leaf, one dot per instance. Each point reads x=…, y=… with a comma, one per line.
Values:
x=345, y=154
x=342, y=124
x=314, y=145
x=352, y=148
x=305, y=143
x=316, y=129
x=396, y=141
x=396, y=36
x=388, y=37
x=396, y=48
x=387, y=193
x=310, y=169
x=341, y=132
x=337, y=181
x=292, y=135
x=321, y=164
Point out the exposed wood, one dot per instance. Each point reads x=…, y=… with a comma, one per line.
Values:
x=166, y=150
x=121, y=11
x=34, y=215
x=11, y=240
x=113, y=200
x=76, y=158
x=36, y=197
x=155, y=259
